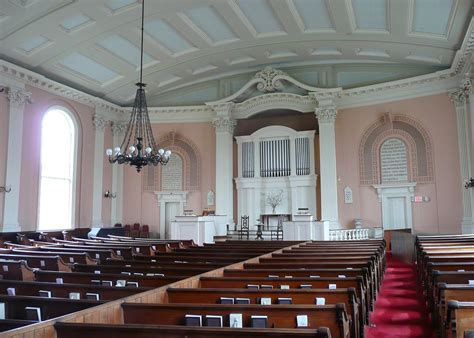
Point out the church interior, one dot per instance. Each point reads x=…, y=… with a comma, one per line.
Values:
x=237, y=168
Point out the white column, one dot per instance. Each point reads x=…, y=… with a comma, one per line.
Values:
x=326, y=113
x=460, y=97
x=224, y=125
x=118, y=130
x=292, y=156
x=99, y=123
x=17, y=97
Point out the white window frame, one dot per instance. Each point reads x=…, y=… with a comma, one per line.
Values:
x=75, y=170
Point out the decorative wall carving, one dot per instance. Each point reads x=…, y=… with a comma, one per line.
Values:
x=268, y=75
x=18, y=96
x=224, y=124
x=326, y=114
x=412, y=133
x=99, y=122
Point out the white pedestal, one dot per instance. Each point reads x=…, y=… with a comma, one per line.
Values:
x=201, y=229
x=304, y=228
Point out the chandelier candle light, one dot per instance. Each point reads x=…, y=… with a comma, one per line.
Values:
x=143, y=152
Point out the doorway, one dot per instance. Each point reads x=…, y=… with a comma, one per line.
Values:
x=171, y=211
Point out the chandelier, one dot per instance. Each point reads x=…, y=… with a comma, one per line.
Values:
x=138, y=146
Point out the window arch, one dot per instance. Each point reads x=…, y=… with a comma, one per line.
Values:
x=57, y=185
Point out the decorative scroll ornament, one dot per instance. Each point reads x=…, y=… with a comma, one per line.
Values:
x=118, y=128
x=326, y=114
x=18, y=96
x=268, y=83
x=99, y=122
x=225, y=124
x=461, y=94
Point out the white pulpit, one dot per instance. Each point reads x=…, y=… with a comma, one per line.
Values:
x=201, y=229
x=303, y=227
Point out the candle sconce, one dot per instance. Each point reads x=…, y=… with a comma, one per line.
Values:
x=6, y=189
x=109, y=194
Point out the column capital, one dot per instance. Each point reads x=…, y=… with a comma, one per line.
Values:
x=99, y=122
x=224, y=124
x=326, y=114
x=118, y=128
x=18, y=96
x=460, y=95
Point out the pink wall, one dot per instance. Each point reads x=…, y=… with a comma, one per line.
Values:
x=140, y=206
x=3, y=148
x=443, y=214
x=33, y=114
x=107, y=179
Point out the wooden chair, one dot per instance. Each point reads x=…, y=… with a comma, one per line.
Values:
x=145, y=231
x=135, y=231
x=126, y=230
x=278, y=233
x=117, y=225
x=244, y=227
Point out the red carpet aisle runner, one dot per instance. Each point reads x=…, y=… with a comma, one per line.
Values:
x=400, y=309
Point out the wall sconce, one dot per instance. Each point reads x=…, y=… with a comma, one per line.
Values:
x=6, y=189
x=469, y=183
x=109, y=194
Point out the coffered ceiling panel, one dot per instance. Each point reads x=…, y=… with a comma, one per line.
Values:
x=204, y=48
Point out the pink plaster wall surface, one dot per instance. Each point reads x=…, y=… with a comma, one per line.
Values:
x=443, y=214
x=141, y=206
x=107, y=179
x=31, y=153
x=3, y=148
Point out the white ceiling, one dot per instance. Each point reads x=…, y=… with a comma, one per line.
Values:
x=198, y=50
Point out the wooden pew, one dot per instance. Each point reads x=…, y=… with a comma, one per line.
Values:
x=448, y=292
x=63, y=290
x=73, y=330
x=87, y=278
x=10, y=324
x=333, y=317
x=295, y=283
x=152, y=263
x=54, y=263
x=15, y=270
x=302, y=296
x=460, y=318
x=182, y=270
x=50, y=307
x=67, y=257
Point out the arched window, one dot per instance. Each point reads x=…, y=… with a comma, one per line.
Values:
x=57, y=170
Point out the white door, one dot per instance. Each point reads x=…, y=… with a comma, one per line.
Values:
x=171, y=211
x=397, y=216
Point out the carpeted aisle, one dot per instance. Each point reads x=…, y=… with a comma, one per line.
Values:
x=400, y=309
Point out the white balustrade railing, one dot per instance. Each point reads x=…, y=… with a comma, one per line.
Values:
x=348, y=234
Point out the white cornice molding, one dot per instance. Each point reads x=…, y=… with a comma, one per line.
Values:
x=423, y=85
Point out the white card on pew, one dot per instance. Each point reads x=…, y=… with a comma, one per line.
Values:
x=97, y=272
x=332, y=286
x=134, y=284
x=126, y=273
x=349, y=268
x=2, y=310
x=341, y=276
x=273, y=276
x=119, y=253
x=59, y=281
x=107, y=282
x=320, y=301
x=97, y=256
x=42, y=263
x=11, y=291
x=471, y=282
x=44, y=293
x=33, y=313
x=153, y=261
x=314, y=276
x=461, y=270
x=121, y=282
x=74, y=295
x=213, y=321
x=288, y=276
x=265, y=301
x=5, y=268
x=284, y=287
x=71, y=259
x=138, y=274
x=302, y=321
x=193, y=320
x=93, y=296
x=235, y=320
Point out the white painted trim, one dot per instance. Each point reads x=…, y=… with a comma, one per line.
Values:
x=97, y=194
x=164, y=197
